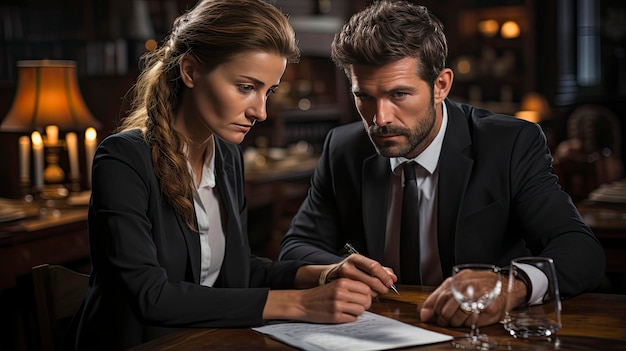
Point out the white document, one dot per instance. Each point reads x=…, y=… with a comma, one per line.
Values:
x=370, y=332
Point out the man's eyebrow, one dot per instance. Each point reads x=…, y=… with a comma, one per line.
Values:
x=401, y=88
x=392, y=90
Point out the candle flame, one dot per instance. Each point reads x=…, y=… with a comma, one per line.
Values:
x=90, y=134
x=36, y=138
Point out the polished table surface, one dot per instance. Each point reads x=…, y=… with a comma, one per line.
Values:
x=590, y=322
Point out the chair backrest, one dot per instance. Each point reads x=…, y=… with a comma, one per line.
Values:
x=591, y=154
x=59, y=292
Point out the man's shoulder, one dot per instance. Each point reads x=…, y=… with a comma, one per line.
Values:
x=350, y=137
x=480, y=115
x=352, y=129
x=488, y=130
x=482, y=122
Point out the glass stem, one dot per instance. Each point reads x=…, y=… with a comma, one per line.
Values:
x=474, y=332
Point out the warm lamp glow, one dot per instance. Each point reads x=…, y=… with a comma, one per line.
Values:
x=534, y=108
x=52, y=133
x=47, y=94
x=488, y=28
x=464, y=66
x=530, y=116
x=37, y=139
x=90, y=134
x=510, y=30
x=38, y=158
x=536, y=102
x=90, y=150
x=150, y=44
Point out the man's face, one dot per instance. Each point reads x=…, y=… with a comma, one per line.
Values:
x=397, y=107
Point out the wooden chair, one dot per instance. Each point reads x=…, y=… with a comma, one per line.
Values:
x=59, y=292
x=591, y=154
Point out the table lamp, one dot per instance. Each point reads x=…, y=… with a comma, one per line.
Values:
x=48, y=100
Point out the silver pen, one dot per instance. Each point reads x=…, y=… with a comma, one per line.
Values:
x=352, y=250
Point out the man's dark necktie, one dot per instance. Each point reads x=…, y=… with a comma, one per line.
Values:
x=409, y=229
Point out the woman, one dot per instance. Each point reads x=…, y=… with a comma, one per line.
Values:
x=167, y=218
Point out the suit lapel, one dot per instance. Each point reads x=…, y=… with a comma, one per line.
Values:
x=235, y=270
x=376, y=189
x=226, y=183
x=192, y=239
x=455, y=166
x=225, y=180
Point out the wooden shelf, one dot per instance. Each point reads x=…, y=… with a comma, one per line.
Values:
x=489, y=66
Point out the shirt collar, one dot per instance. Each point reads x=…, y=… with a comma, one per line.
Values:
x=429, y=158
x=208, y=168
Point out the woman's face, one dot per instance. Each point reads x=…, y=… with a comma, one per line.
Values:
x=229, y=99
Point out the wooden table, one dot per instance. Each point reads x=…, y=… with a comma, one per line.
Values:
x=56, y=238
x=590, y=322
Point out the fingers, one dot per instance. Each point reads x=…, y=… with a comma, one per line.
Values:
x=340, y=301
x=352, y=297
x=368, y=271
x=459, y=317
x=427, y=312
x=442, y=308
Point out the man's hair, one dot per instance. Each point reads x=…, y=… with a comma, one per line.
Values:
x=387, y=31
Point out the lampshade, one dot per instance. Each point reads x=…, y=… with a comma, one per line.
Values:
x=47, y=94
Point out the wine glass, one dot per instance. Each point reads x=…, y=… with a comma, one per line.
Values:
x=475, y=286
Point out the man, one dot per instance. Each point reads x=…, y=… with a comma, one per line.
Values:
x=487, y=190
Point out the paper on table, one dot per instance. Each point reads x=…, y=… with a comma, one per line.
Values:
x=370, y=332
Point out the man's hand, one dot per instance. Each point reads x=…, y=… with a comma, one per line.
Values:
x=363, y=269
x=442, y=308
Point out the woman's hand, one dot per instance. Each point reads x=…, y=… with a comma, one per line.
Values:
x=442, y=308
x=339, y=301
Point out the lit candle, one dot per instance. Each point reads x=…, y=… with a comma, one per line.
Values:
x=72, y=151
x=52, y=135
x=90, y=150
x=38, y=158
x=24, y=143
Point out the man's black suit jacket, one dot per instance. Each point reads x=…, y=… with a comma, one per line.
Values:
x=498, y=199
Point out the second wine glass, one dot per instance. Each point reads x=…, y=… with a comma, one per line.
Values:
x=475, y=286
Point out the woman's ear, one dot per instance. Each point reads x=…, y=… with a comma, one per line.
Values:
x=188, y=66
x=443, y=84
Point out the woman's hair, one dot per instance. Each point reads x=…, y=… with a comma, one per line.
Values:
x=212, y=32
x=387, y=31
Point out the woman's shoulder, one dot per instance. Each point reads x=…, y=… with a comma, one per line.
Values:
x=125, y=144
x=132, y=136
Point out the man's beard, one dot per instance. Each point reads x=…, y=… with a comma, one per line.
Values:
x=414, y=136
